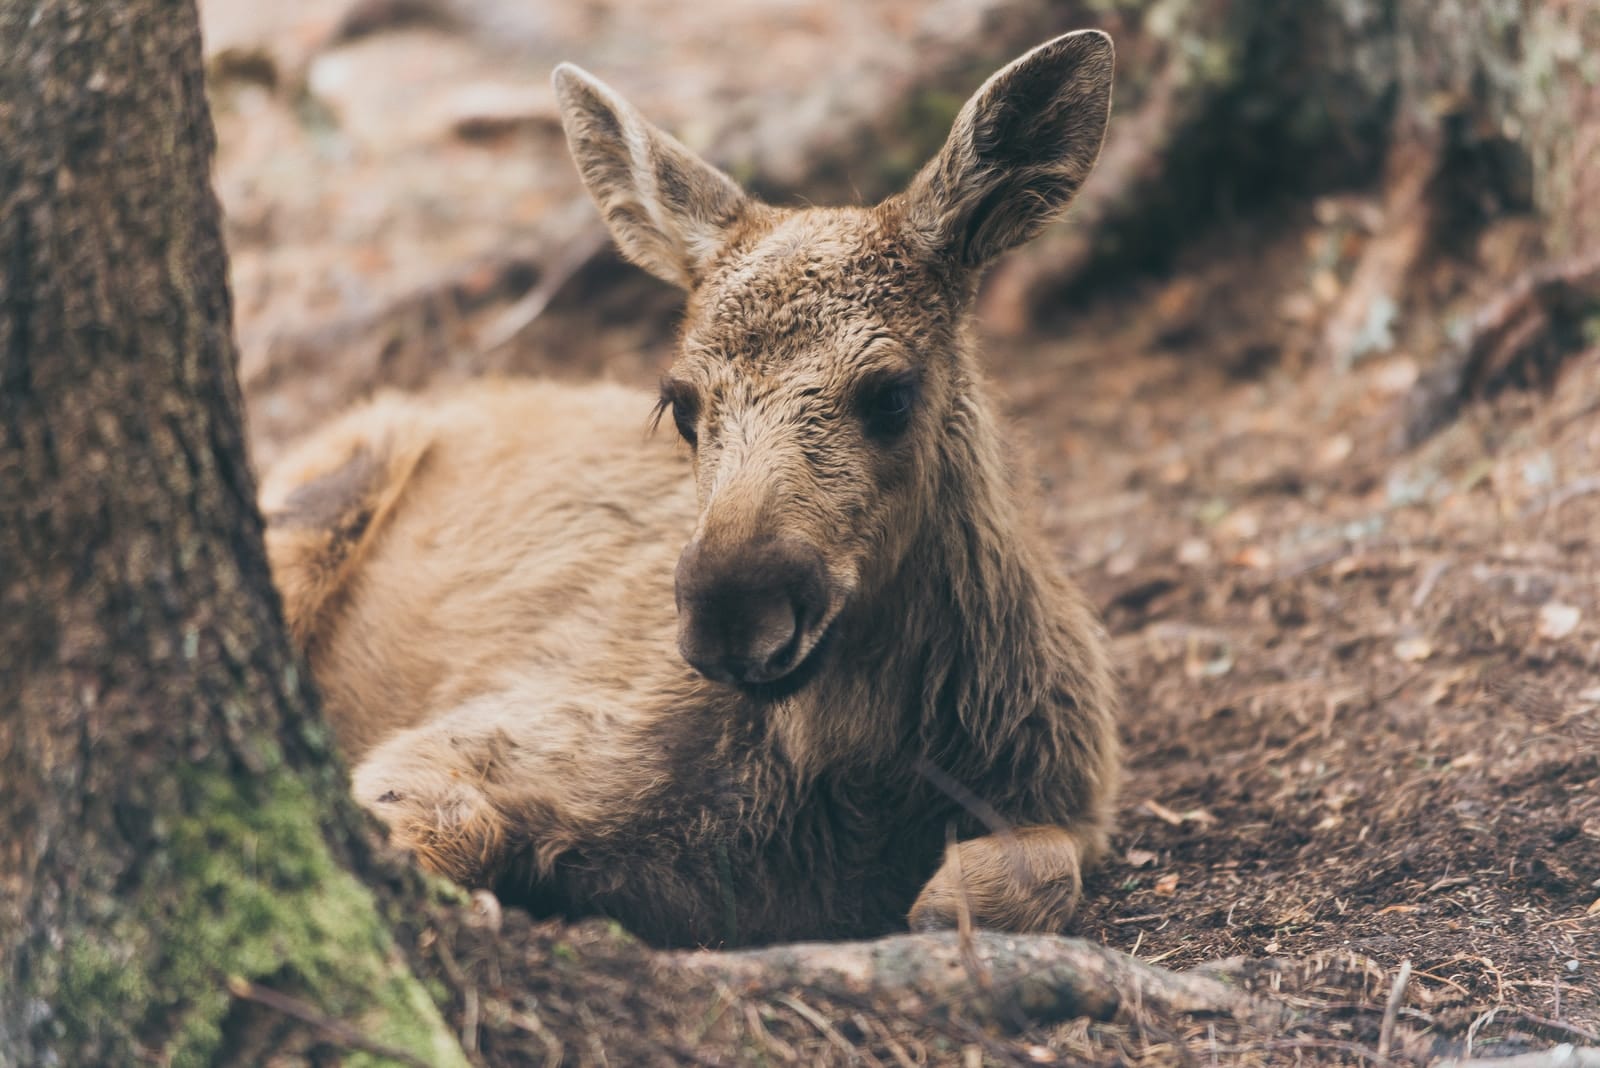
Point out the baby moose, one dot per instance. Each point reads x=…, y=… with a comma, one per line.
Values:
x=749, y=687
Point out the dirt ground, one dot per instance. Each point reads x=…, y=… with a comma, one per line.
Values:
x=1362, y=678
x=1363, y=712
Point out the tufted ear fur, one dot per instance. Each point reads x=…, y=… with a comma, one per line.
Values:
x=1018, y=151
x=669, y=210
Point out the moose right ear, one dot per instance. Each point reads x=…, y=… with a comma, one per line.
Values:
x=1018, y=151
x=669, y=210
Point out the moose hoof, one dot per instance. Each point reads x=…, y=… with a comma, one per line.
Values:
x=454, y=831
x=926, y=919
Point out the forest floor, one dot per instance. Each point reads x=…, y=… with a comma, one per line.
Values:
x=1362, y=677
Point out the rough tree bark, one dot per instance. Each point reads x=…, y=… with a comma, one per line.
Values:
x=179, y=871
x=1225, y=104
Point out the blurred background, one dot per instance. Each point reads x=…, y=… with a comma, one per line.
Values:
x=397, y=185
x=1311, y=374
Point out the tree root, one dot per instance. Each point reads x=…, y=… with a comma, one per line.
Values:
x=1390, y=256
x=1009, y=982
x=1507, y=334
x=1564, y=1056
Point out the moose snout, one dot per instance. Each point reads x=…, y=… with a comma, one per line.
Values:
x=750, y=614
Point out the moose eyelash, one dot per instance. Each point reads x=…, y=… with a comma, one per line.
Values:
x=671, y=391
x=663, y=402
x=681, y=401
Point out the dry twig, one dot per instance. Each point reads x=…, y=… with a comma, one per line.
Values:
x=337, y=1030
x=1391, y=1012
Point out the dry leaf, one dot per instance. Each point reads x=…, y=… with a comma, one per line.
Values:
x=1335, y=450
x=1177, y=819
x=1413, y=650
x=1239, y=524
x=1557, y=620
x=1193, y=551
x=1176, y=300
x=1396, y=376
x=1140, y=858
x=1196, y=666
x=1399, y=908
x=1162, y=812
x=1254, y=557
x=1298, y=308
x=1167, y=885
x=1122, y=563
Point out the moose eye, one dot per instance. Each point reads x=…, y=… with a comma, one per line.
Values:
x=888, y=407
x=683, y=417
x=684, y=406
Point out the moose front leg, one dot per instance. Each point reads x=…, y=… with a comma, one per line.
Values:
x=1028, y=879
x=436, y=797
x=495, y=782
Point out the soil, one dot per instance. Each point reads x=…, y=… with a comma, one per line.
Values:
x=1362, y=678
x=1360, y=730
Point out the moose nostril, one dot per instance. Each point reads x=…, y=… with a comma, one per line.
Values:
x=745, y=615
x=784, y=655
x=776, y=634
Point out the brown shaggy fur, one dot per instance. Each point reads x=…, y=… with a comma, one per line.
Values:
x=484, y=580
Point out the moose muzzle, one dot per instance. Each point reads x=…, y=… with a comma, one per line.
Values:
x=750, y=613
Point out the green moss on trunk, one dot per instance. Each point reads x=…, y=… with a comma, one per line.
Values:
x=245, y=887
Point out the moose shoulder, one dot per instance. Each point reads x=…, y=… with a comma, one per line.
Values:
x=743, y=687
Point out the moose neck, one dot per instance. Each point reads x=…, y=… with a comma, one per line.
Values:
x=960, y=639
x=984, y=591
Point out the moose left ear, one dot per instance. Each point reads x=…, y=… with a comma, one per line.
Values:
x=1018, y=151
x=669, y=210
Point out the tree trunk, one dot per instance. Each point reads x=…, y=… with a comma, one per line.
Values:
x=178, y=878
x=1225, y=104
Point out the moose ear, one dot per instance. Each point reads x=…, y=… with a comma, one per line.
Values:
x=1018, y=151
x=669, y=210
